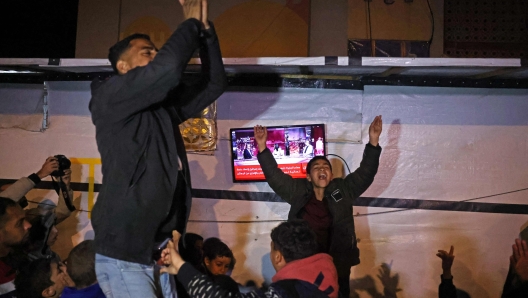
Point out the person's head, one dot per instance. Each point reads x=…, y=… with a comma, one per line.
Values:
x=43, y=232
x=133, y=51
x=290, y=241
x=276, y=146
x=14, y=228
x=319, y=172
x=218, y=258
x=191, y=248
x=81, y=264
x=307, y=141
x=44, y=277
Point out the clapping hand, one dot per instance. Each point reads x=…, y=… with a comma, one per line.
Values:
x=197, y=9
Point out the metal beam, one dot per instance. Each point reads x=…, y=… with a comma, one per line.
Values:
x=497, y=72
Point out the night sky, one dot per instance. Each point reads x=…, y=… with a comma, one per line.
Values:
x=38, y=29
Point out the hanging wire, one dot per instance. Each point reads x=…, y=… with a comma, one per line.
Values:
x=462, y=201
x=53, y=205
x=329, y=154
x=369, y=22
x=433, y=26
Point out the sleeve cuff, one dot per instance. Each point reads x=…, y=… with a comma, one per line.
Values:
x=35, y=178
x=263, y=151
x=207, y=34
x=378, y=147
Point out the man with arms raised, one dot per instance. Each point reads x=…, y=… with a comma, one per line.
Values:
x=325, y=203
x=146, y=181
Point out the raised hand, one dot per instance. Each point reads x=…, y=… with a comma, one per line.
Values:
x=447, y=261
x=170, y=256
x=520, y=259
x=261, y=136
x=50, y=165
x=192, y=9
x=375, y=130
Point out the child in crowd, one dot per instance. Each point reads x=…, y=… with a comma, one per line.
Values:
x=218, y=260
x=81, y=269
x=45, y=277
x=190, y=247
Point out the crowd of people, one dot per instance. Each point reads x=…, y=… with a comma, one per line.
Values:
x=144, y=203
x=299, y=252
x=29, y=268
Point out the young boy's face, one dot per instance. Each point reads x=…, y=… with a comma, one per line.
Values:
x=320, y=174
x=218, y=266
x=60, y=277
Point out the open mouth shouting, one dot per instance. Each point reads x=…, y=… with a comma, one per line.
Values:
x=320, y=173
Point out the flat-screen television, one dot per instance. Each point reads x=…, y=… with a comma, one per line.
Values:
x=292, y=146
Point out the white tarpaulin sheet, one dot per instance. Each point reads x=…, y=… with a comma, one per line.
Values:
x=441, y=146
x=22, y=106
x=337, y=109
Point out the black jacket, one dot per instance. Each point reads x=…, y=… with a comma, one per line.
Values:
x=297, y=192
x=136, y=116
x=514, y=287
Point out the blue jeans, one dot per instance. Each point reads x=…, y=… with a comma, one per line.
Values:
x=122, y=279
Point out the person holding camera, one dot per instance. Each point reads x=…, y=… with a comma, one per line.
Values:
x=17, y=232
x=146, y=189
x=22, y=186
x=58, y=167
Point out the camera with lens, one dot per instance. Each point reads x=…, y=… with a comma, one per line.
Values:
x=64, y=164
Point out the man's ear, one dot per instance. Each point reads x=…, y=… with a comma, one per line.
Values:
x=308, y=177
x=49, y=292
x=276, y=257
x=122, y=66
x=207, y=261
x=279, y=260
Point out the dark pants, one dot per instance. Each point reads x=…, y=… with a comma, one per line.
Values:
x=344, y=286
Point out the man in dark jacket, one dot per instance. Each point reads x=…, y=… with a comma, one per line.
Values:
x=146, y=191
x=301, y=271
x=325, y=203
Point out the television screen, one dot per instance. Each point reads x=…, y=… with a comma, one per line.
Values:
x=292, y=146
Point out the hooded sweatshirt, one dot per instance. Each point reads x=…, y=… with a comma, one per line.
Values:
x=318, y=270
